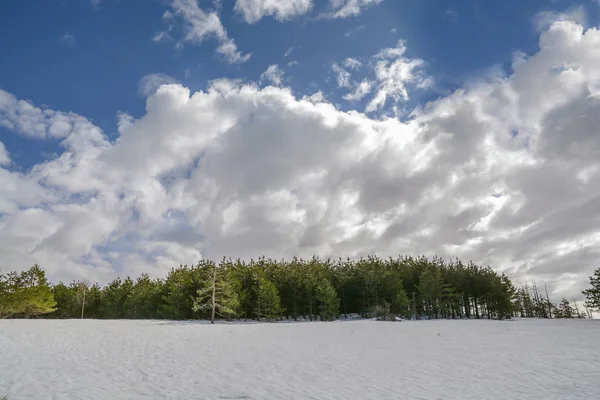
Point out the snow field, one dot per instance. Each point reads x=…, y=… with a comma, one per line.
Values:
x=130, y=360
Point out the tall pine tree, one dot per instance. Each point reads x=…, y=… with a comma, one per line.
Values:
x=592, y=294
x=217, y=296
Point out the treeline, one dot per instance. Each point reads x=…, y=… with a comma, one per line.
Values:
x=267, y=289
x=26, y=294
x=531, y=302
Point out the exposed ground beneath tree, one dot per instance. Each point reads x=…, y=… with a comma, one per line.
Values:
x=129, y=360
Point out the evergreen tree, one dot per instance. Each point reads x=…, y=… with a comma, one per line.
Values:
x=27, y=294
x=217, y=295
x=272, y=288
x=592, y=294
x=176, y=302
x=565, y=310
x=114, y=298
x=269, y=303
x=329, y=304
x=503, y=297
x=66, y=301
x=430, y=288
x=145, y=298
x=401, y=304
x=93, y=302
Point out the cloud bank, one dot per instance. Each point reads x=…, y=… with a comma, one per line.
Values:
x=506, y=173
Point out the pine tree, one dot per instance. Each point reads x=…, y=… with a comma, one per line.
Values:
x=9, y=293
x=564, y=310
x=329, y=304
x=144, y=299
x=430, y=289
x=592, y=294
x=270, y=288
x=269, y=303
x=217, y=295
x=176, y=302
x=66, y=300
x=34, y=296
x=114, y=298
x=401, y=304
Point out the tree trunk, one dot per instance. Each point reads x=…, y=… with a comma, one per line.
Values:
x=548, y=302
x=83, y=303
x=295, y=304
x=214, y=296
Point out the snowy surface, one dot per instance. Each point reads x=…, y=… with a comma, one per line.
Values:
x=129, y=360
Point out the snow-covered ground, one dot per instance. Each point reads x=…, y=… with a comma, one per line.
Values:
x=129, y=360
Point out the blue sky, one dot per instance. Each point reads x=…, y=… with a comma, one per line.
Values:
x=137, y=135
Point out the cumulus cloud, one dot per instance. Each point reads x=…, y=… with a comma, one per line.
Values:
x=282, y=10
x=392, y=75
x=544, y=19
x=31, y=121
x=273, y=74
x=505, y=173
x=199, y=25
x=348, y=8
x=4, y=157
x=151, y=82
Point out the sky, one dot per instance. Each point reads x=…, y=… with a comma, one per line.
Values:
x=136, y=135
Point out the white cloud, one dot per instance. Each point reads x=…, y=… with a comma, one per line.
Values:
x=68, y=39
x=31, y=121
x=348, y=8
x=151, y=82
x=451, y=15
x=341, y=75
x=505, y=173
x=4, y=157
x=352, y=32
x=273, y=74
x=544, y=19
x=160, y=36
x=393, y=72
x=282, y=10
x=289, y=51
x=361, y=90
x=352, y=63
x=200, y=25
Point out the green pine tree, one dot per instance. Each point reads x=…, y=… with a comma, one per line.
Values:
x=565, y=310
x=217, y=296
x=28, y=294
x=329, y=303
x=268, y=302
x=592, y=294
x=401, y=304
